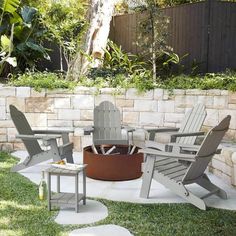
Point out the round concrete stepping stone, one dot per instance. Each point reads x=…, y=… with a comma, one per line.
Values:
x=92, y=212
x=102, y=230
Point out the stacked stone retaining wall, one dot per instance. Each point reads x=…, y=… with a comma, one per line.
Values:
x=63, y=109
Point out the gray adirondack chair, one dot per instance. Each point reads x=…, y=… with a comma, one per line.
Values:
x=186, y=134
x=107, y=125
x=30, y=139
x=165, y=168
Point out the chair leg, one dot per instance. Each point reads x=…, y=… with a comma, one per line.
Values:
x=179, y=189
x=31, y=161
x=147, y=176
x=207, y=184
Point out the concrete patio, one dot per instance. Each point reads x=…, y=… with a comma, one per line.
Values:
x=127, y=191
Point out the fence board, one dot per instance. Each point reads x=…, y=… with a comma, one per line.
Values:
x=188, y=34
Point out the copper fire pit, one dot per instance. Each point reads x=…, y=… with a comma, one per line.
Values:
x=121, y=166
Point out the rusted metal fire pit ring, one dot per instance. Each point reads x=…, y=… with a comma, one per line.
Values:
x=117, y=167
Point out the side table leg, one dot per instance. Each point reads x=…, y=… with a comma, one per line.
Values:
x=58, y=183
x=49, y=191
x=76, y=193
x=84, y=187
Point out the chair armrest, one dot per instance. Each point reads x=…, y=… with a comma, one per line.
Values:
x=155, y=145
x=35, y=137
x=164, y=129
x=178, y=156
x=152, y=132
x=88, y=130
x=52, y=131
x=174, y=136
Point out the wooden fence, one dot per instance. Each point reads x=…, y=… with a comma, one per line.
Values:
x=204, y=31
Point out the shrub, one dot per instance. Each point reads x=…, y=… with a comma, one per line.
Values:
x=40, y=80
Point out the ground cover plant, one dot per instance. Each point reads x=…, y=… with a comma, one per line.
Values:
x=102, y=78
x=21, y=213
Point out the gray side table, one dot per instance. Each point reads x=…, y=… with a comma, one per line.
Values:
x=66, y=199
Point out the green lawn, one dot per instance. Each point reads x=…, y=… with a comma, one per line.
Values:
x=21, y=213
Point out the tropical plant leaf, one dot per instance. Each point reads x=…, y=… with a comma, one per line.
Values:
x=12, y=61
x=9, y=5
x=28, y=14
x=5, y=43
x=16, y=18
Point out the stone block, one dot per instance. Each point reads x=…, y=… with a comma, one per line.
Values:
x=11, y=134
x=3, y=138
x=227, y=155
x=173, y=117
x=85, y=90
x=86, y=114
x=158, y=94
x=111, y=91
x=18, y=102
x=180, y=101
x=37, y=119
x=68, y=114
x=220, y=102
x=151, y=118
x=3, y=131
x=52, y=116
x=104, y=97
x=34, y=93
x=179, y=110
x=7, y=91
x=83, y=102
x=145, y=105
x=213, y=92
x=23, y=92
x=220, y=165
x=130, y=117
x=2, y=113
x=134, y=94
x=60, y=123
x=233, y=176
x=6, y=124
x=232, y=106
x=166, y=106
x=224, y=92
x=179, y=92
x=208, y=101
x=124, y=103
x=18, y=146
x=39, y=104
x=62, y=103
x=82, y=123
x=232, y=97
x=195, y=92
x=167, y=95
x=212, y=118
x=2, y=102
x=7, y=147
x=77, y=144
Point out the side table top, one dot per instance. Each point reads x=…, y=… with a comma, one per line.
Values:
x=64, y=171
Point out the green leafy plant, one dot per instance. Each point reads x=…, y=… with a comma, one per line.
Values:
x=40, y=80
x=22, y=25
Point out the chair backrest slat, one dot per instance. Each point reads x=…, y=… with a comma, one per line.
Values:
x=23, y=127
x=207, y=150
x=192, y=123
x=107, y=123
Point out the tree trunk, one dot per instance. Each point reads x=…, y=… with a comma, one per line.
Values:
x=99, y=17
